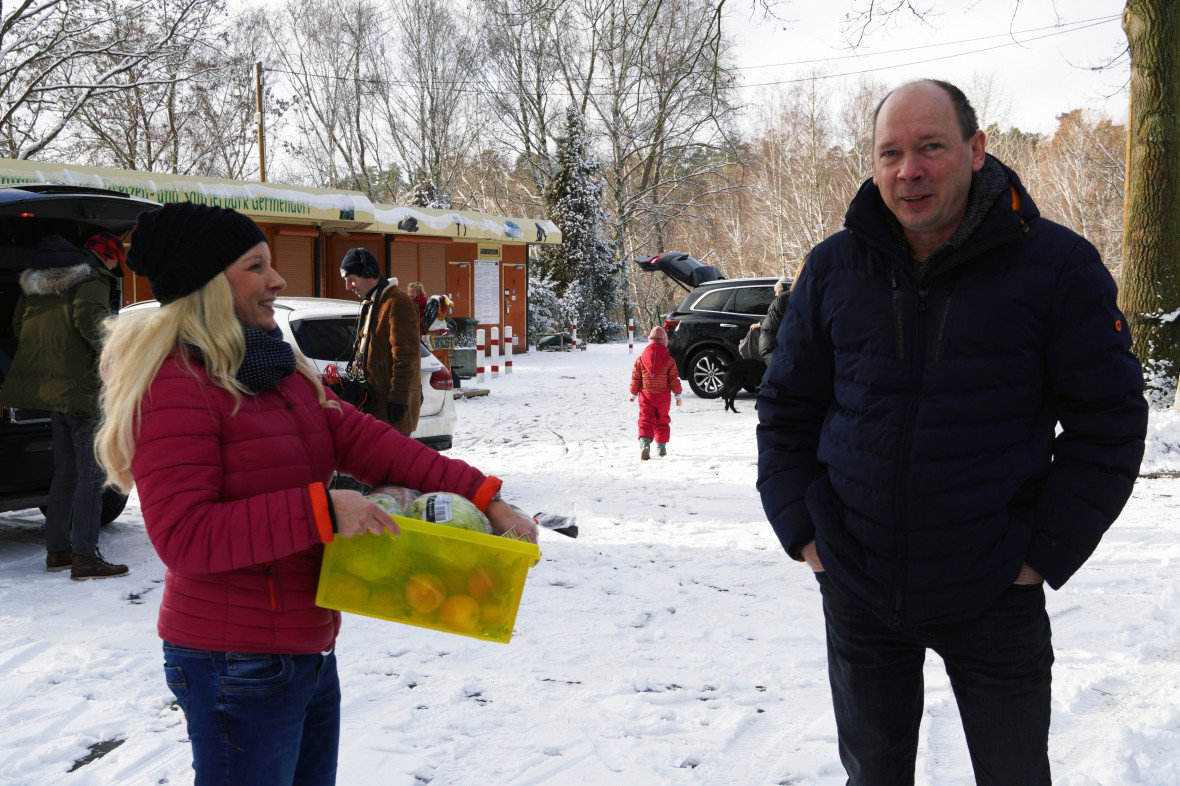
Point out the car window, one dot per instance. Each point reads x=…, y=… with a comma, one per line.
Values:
x=329, y=338
x=713, y=301
x=752, y=300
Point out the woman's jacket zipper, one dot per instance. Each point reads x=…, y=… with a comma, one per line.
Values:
x=270, y=584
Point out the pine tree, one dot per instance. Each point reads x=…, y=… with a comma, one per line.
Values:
x=584, y=270
x=426, y=194
x=548, y=311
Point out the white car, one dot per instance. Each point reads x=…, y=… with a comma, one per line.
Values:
x=323, y=330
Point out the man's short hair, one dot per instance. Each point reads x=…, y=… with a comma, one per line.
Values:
x=968, y=122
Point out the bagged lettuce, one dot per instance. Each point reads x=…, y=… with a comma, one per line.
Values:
x=394, y=500
x=442, y=507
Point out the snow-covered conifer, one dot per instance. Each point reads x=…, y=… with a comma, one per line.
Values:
x=426, y=194
x=584, y=270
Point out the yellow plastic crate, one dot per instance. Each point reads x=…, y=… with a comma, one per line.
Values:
x=431, y=576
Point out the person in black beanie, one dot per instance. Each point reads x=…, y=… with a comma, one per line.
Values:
x=180, y=247
x=231, y=439
x=388, y=352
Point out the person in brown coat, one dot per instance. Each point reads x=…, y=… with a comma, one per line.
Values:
x=389, y=343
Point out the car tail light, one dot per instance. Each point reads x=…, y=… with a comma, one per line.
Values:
x=441, y=380
x=670, y=324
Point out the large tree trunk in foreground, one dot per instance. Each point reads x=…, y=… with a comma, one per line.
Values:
x=1150, y=291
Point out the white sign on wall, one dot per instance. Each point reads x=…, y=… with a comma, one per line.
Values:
x=487, y=292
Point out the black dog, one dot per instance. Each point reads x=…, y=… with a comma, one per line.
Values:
x=741, y=373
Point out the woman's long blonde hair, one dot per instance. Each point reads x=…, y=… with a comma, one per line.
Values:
x=136, y=346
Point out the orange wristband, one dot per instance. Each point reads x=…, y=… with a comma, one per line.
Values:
x=321, y=511
x=486, y=493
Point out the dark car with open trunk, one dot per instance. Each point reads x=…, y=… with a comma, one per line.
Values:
x=705, y=329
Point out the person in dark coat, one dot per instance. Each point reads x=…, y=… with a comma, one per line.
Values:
x=908, y=444
x=58, y=324
x=768, y=330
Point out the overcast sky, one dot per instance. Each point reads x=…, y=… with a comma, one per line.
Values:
x=1047, y=74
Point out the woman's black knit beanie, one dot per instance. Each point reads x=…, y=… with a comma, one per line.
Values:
x=181, y=247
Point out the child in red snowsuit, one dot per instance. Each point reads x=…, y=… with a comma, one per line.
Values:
x=655, y=379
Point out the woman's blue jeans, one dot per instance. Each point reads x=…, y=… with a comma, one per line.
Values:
x=1000, y=668
x=262, y=720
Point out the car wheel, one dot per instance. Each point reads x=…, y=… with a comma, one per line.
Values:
x=113, y=502
x=706, y=373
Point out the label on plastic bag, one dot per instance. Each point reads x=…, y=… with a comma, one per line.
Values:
x=438, y=508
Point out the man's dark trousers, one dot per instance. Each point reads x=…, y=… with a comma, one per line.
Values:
x=999, y=666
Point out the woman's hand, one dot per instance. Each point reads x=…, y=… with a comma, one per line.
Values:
x=506, y=520
x=356, y=515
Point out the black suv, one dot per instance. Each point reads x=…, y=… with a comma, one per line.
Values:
x=27, y=214
x=705, y=329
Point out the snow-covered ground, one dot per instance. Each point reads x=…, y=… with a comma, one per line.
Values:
x=671, y=643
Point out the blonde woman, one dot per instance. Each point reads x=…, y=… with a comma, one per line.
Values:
x=230, y=438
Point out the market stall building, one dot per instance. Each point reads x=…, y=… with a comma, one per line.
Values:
x=478, y=260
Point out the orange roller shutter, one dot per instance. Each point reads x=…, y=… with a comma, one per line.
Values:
x=433, y=270
x=294, y=258
x=403, y=264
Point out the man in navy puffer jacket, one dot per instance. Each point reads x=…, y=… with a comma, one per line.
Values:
x=908, y=441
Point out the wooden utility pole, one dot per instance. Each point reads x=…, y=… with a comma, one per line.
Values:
x=258, y=121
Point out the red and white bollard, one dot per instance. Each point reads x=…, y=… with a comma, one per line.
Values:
x=574, y=334
x=479, y=350
x=508, y=349
x=630, y=336
x=495, y=348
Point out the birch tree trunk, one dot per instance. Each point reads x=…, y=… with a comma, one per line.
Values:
x=1149, y=295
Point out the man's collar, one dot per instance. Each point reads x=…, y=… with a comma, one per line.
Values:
x=377, y=289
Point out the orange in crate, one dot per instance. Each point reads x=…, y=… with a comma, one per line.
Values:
x=432, y=576
x=460, y=613
x=425, y=592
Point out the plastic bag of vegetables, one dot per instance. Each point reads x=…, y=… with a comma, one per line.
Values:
x=442, y=507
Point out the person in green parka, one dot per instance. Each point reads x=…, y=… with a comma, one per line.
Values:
x=58, y=326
